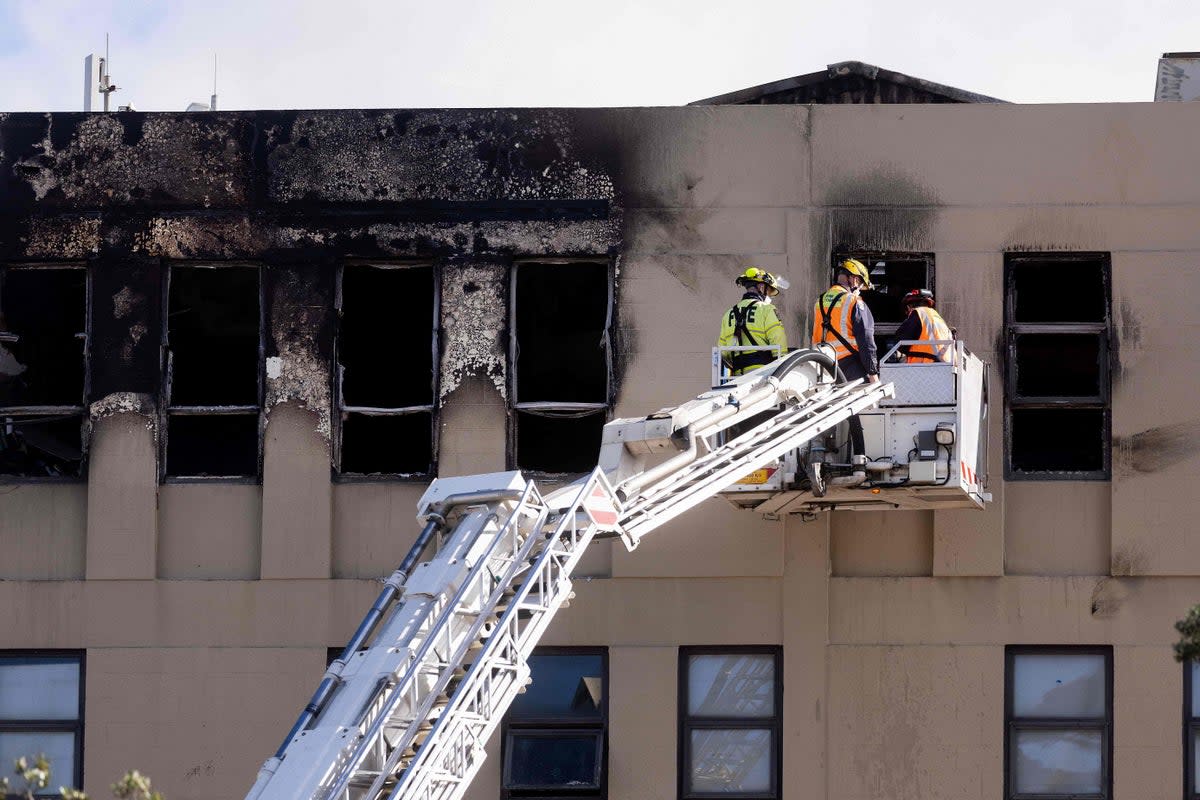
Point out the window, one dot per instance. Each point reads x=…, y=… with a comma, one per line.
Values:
x=387, y=369
x=893, y=275
x=1057, y=378
x=43, y=369
x=560, y=363
x=213, y=374
x=1191, y=728
x=555, y=734
x=1058, y=722
x=730, y=702
x=41, y=711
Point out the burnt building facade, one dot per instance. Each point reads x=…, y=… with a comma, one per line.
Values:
x=237, y=346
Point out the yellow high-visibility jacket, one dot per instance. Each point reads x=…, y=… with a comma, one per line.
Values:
x=762, y=327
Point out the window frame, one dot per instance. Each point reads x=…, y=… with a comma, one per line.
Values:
x=515, y=405
x=1015, y=402
x=58, y=410
x=340, y=409
x=75, y=726
x=1191, y=728
x=167, y=409
x=552, y=726
x=886, y=330
x=685, y=723
x=1013, y=723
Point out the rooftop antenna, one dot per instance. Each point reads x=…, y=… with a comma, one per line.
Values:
x=107, y=87
x=212, y=105
x=97, y=80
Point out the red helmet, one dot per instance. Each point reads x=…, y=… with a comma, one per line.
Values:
x=919, y=297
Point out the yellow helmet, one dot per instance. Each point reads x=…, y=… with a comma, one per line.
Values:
x=856, y=268
x=753, y=275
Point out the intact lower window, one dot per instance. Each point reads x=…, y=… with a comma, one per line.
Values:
x=387, y=350
x=213, y=374
x=730, y=722
x=1057, y=378
x=1058, y=722
x=555, y=734
x=41, y=712
x=1191, y=728
x=43, y=369
x=893, y=275
x=560, y=363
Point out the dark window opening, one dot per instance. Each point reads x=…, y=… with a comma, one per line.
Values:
x=213, y=380
x=555, y=732
x=43, y=370
x=387, y=444
x=561, y=332
x=212, y=446
x=730, y=722
x=387, y=369
x=1057, y=439
x=558, y=444
x=41, y=445
x=213, y=332
x=1037, y=285
x=41, y=713
x=893, y=275
x=43, y=316
x=1057, y=376
x=560, y=363
x=1058, y=714
x=1191, y=729
x=1059, y=365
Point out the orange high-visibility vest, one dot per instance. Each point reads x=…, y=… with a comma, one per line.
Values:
x=833, y=321
x=933, y=328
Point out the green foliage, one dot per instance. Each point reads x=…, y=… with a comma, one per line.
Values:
x=33, y=775
x=1188, y=646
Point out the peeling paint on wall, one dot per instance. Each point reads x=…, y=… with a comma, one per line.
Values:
x=297, y=363
x=61, y=238
x=474, y=323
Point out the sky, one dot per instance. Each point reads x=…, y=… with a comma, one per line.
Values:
x=469, y=53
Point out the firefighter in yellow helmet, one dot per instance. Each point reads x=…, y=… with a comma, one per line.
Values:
x=926, y=324
x=842, y=320
x=753, y=322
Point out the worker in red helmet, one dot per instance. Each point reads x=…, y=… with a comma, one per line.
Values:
x=925, y=324
x=753, y=322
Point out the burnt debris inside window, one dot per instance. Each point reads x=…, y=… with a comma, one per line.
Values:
x=387, y=346
x=560, y=363
x=213, y=371
x=1057, y=377
x=43, y=344
x=893, y=275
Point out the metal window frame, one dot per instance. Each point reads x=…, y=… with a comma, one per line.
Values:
x=687, y=723
x=58, y=410
x=342, y=410
x=75, y=726
x=1191, y=728
x=167, y=409
x=1014, y=401
x=515, y=404
x=886, y=329
x=1013, y=723
x=548, y=726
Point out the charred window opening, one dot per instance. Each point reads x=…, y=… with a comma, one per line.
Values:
x=1057, y=379
x=213, y=372
x=560, y=363
x=43, y=370
x=387, y=355
x=893, y=275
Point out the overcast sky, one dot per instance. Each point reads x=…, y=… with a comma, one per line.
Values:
x=455, y=53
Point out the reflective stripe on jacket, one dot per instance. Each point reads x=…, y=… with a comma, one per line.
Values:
x=933, y=328
x=837, y=305
x=762, y=326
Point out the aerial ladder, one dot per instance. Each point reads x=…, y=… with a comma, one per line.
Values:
x=406, y=710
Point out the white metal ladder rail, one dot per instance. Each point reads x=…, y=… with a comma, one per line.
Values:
x=817, y=413
x=453, y=751
x=390, y=727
